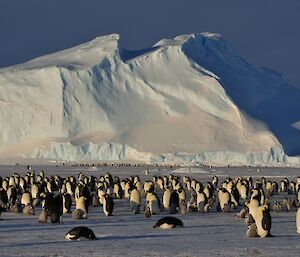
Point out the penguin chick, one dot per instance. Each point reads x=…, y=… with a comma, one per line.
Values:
x=28, y=210
x=251, y=230
x=78, y=214
x=226, y=208
x=182, y=207
x=147, y=212
x=43, y=217
x=249, y=219
x=242, y=213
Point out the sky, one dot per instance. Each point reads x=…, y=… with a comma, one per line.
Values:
x=264, y=32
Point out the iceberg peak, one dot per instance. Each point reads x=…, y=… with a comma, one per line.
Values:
x=82, y=56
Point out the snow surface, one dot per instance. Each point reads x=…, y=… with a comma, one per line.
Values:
x=125, y=234
x=185, y=100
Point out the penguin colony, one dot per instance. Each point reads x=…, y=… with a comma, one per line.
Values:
x=56, y=196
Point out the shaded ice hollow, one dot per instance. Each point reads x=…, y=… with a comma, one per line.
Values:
x=185, y=100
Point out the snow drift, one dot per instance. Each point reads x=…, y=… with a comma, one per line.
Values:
x=185, y=100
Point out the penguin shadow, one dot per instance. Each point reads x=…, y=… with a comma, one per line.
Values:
x=50, y=226
x=98, y=224
x=34, y=243
x=16, y=227
x=136, y=237
x=34, y=227
x=208, y=226
x=275, y=236
x=284, y=236
x=283, y=221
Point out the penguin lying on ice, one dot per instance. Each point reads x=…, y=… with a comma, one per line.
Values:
x=78, y=233
x=168, y=222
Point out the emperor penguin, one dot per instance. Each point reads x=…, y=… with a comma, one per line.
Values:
x=284, y=185
x=298, y=220
x=16, y=207
x=147, y=212
x=215, y=181
x=85, y=191
x=54, y=207
x=275, y=187
x=153, y=202
x=160, y=183
x=199, y=187
x=42, y=174
x=187, y=183
x=70, y=188
x=127, y=190
x=251, y=230
x=208, y=190
x=166, y=198
x=166, y=182
x=201, y=201
x=249, y=219
x=35, y=191
x=242, y=213
x=287, y=204
x=253, y=206
x=78, y=233
x=148, y=186
x=139, y=186
x=110, y=182
x=95, y=201
x=263, y=221
x=3, y=198
x=168, y=223
x=43, y=217
x=11, y=195
x=235, y=196
x=181, y=193
x=193, y=198
x=67, y=202
x=101, y=193
x=11, y=181
x=5, y=184
x=108, y=205
x=26, y=198
x=28, y=210
x=226, y=208
x=269, y=188
x=183, y=207
x=81, y=209
x=276, y=206
x=224, y=198
x=135, y=201
x=78, y=214
x=118, y=191
x=174, y=202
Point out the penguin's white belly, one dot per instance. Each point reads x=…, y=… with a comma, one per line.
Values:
x=70, y=237
x=166, y=226
x=154, y=207
x=298, y=220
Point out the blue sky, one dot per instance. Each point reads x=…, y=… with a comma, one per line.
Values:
x=265, y=32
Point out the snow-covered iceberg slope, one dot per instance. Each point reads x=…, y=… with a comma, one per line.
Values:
x=187, y=99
